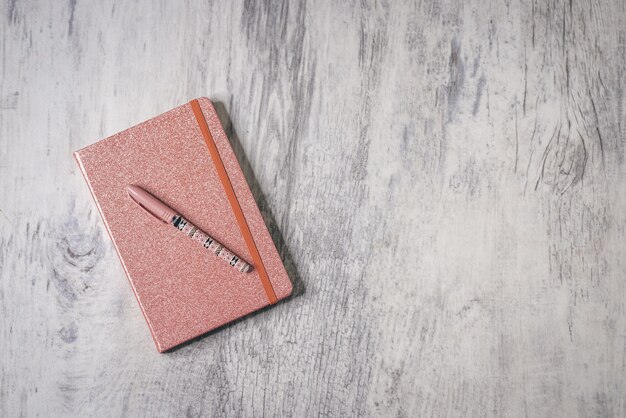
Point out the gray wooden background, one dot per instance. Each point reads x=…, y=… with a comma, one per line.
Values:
x=444, y=181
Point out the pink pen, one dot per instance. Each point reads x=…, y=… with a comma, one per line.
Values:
x=166, y=214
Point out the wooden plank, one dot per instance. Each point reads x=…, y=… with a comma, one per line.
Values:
x=444, y=180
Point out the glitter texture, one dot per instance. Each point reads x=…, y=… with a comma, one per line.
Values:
x=183, y=290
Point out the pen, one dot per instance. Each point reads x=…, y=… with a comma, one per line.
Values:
x=166, y=214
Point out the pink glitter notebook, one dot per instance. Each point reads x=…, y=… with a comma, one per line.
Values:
x=184, y=158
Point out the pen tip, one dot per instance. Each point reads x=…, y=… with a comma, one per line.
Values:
x=131, y=189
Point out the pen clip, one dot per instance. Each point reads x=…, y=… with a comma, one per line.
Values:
x=146, y=210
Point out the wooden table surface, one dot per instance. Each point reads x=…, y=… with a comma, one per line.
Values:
x=444, y=181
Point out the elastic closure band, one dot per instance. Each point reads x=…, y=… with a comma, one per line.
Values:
x=234, y=203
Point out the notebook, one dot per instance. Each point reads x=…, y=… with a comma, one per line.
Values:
x=184, y=158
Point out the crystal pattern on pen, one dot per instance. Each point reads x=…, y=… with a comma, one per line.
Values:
x=209, y=243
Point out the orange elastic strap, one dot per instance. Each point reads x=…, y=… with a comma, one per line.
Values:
x=234, y=203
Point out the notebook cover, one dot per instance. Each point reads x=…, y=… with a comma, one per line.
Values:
x=183, y=290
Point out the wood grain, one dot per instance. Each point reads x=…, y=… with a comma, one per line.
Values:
x=444, y=180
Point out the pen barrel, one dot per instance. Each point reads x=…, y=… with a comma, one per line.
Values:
x=209, y=243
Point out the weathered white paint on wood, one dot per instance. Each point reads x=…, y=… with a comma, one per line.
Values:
x=445, y=181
